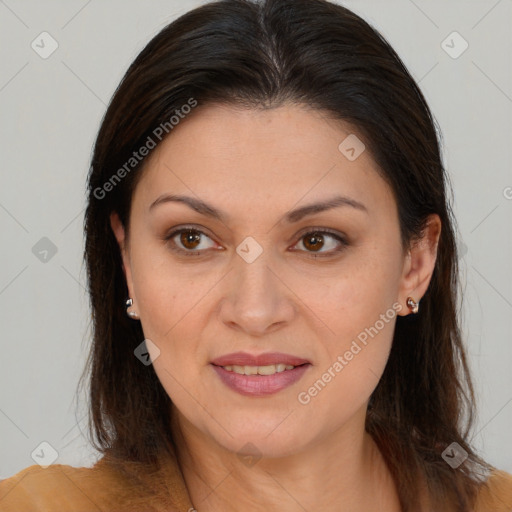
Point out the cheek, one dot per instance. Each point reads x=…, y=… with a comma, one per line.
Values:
x=343, y=383
x=351, y=302
x=170, y=320
x=167, y=294
x=169, y=299
x=359, y=309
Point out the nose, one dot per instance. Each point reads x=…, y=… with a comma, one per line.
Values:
x=257, y=300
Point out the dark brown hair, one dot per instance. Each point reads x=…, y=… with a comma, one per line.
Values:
x=260, y=55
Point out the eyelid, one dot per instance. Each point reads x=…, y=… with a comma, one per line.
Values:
x=341, y=238
x=320, y=229
x=179, y=229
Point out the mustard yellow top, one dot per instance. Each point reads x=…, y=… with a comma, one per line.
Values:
x=109, y=488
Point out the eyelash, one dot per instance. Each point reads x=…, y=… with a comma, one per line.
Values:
x=321, y=231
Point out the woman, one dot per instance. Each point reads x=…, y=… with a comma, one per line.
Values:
x=273, y=278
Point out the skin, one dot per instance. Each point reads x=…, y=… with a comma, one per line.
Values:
x=256, y=166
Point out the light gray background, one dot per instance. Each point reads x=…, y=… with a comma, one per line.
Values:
x=50, y=112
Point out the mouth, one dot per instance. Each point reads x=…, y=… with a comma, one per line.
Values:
x=261, y=375
x=260, y=370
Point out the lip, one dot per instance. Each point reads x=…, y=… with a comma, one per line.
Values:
x=260, y=385
x=245, y=359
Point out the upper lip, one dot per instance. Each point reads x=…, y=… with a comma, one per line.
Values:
x=245, y=359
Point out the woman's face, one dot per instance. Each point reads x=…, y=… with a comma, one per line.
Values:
x=255, y=279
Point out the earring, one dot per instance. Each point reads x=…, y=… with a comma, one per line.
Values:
x=414, y=306
x=132, y=314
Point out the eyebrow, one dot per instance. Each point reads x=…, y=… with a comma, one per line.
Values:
x=290, y=217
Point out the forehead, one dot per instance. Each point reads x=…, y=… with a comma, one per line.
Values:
x=288, y=155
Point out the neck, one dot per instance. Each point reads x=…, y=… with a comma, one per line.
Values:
x=342, y=472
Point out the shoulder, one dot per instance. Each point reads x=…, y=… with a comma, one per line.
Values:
x=66, y=488
x=495, y=493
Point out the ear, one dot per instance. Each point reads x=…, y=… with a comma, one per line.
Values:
x=419, y=263
x=119, y=233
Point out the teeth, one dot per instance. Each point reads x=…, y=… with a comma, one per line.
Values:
x=259, y=370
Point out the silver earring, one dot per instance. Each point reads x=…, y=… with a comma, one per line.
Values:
x=413, y=306
x=132, y=314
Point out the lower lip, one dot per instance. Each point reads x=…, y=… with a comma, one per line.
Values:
x=260, y=385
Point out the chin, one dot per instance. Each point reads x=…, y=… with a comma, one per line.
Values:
x=263, y=440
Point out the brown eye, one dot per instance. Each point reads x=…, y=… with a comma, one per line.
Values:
x=187, y=241
x=315, y=241
x=190, y=239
